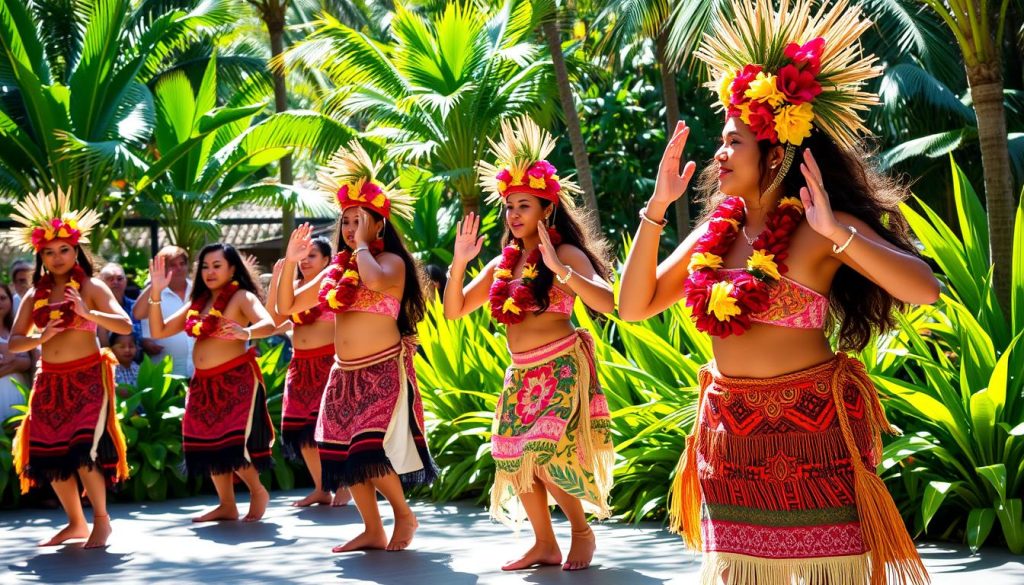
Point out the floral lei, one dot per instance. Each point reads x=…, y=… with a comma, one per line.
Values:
x=722, y=305
x=509, y=300
x=201, y=327
x=339, y=287
x=43, y=312
x=308, y=316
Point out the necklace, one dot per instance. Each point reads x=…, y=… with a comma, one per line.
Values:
x=201, y=326
x=510, y=300
x=341, y=283
x=42, y=311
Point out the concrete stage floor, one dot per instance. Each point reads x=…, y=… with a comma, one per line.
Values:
x=456, y=545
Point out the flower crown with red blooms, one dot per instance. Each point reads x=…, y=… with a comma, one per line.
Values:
x=47, y=217
x=785, y=72
x=521, y=167
x=350, y=180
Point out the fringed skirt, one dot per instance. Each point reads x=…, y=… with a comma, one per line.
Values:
x=778, y=484
x=303, y=391
x=71, y=423
x=226, y=426
x=371, y=421
x=552, y=422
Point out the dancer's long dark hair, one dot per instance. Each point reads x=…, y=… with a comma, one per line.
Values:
x=858, y=308
x=414, y=307
x=84, y=260
x=576, y=230
x=242, y=275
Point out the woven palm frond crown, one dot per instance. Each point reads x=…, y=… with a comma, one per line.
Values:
x=350, y=180
x=785, y=71
x=46, y=217
x=520, y=165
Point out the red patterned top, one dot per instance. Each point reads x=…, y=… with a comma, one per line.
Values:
x=791, y=304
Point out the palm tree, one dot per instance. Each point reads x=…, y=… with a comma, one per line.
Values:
x=75, y=110
x=438, y=90
x=208, y=159
x=979, y=27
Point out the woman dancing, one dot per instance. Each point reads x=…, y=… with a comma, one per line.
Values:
x=226, y=430
x=778, y=480
x=71, y=431
x=551, y=434
x=370, y=431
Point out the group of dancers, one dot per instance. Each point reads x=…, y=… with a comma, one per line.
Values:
x=777, y=482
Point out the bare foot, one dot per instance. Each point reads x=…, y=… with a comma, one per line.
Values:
x=541, y=553
x=221, y=512
x=365, y=541
x=100, y=532
x=341, y=497
x=69, y=532
x=258, y=501
x=405, y=528
x=581, y=551
x=317, y=497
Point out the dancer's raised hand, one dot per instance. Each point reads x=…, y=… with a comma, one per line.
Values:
x=672, y=182
x=159, y=277
x=468, y=242
x=299, y=243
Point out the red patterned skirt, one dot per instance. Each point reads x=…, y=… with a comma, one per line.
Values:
x=303, y=391
x=371, y=421
x=778, y=483
x=226, y=426
x=71, y=423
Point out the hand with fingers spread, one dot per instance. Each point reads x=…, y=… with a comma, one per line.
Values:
x=817, y=208
x=364, y=230
x=672, y=182
x=468, y=242
x=74, y=297
x=548, y=252
x=299, y=244
x=159, y=277
x=50, y=331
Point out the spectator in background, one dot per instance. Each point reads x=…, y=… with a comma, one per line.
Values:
x=21, y=280
x=13, y=366
x=125, y=348
x=438, y=278
x=113, y=276
x=175, y=296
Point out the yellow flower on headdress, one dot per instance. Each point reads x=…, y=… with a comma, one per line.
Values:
x=764, y=89
x=530, y=271
x=379, y=201
x=721, y=303
x=764, y=263
x=510, y=306
x=701, y=260
x=725, y=88
x=794, y=123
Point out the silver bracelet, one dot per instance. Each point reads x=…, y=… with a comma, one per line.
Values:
x=840, y=249
x=360, y=249
x=568, y=277
x=659, y=224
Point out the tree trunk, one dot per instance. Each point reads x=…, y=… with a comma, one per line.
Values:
x=274, y=16
x=671, y=97
x=572, y=118
x=1000, y=201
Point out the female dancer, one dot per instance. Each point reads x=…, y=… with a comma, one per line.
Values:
x=71, y=427
x=312, y=358
x=551, y=429
x=370, y=433
x=778, y=481
x=226, y=429
x=13, y=366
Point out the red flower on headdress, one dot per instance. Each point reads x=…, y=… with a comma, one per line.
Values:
x=370, y=190
x=798, y=86
x=807, y=56
x=742, y=82
x=762, y=121
x=343, y=194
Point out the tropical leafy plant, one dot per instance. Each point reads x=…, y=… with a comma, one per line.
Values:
x=952, y=379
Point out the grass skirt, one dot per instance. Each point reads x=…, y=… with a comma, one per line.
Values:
x=71, y=423
x=552, y=422
x=778, y=483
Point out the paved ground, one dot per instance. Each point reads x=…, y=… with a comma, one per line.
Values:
x=456, y=545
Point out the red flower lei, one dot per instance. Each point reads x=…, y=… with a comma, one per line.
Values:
x=308, y=316
x=201, y=327
x=722, y=305
x=43, y=312
x=339, y=287
x=510, y=301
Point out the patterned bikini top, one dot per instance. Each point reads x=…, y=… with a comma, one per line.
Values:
x=371, y=301
x=559, y=301
x=78, y=323
x=791, y=304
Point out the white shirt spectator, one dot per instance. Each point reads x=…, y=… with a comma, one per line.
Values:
x=178, y=346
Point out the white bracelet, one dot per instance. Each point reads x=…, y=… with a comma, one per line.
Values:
x=248, y=334
x=360, y=249
x=840, y=249
x=659, y=224
x=568, y=276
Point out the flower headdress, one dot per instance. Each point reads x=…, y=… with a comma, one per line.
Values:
x=789, y=71
x=47, y=217
x=520, y=165
x=350, y=179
